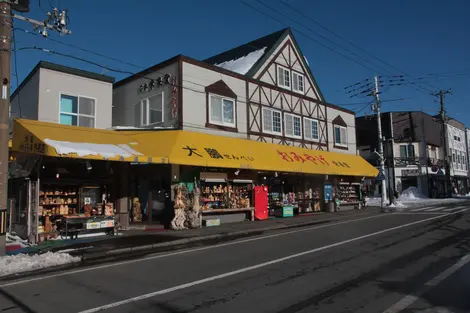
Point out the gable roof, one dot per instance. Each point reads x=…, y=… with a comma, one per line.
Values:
x=63, y=69
x=264, y=46
x=248, y=58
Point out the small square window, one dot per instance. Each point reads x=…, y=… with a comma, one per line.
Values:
x=340, y=136
x=222, y=111
x=283, y=77
x=311, y=129
x=272, y=121
x=292, y=125
x=152, y=110
x=297, y=82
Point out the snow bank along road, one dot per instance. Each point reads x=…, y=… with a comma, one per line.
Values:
x=368, y=264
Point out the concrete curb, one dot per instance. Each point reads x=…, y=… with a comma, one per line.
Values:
x=185, y=241
x=146, y=249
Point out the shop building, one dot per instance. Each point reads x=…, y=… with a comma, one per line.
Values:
x=79, y=177
x=241, y=135
x=262, y=91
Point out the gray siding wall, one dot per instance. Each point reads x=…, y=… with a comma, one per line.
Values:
x=53, y=84
x=195, y=79
x=127, y=99
x=27, y=98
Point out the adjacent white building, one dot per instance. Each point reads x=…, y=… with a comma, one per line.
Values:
x=64, y=95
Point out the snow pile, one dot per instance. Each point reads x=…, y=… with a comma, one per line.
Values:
x=411, y=194
x=83, y=149
x=397, y=204
x=14, y=264
x=243, y=64
x=15, y=240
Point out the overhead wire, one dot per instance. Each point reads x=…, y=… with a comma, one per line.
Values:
x=354, y=45
x=308, y=36
x=316, y=33
x=138, y=75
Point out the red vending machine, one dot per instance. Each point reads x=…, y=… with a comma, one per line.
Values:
x=261, y=202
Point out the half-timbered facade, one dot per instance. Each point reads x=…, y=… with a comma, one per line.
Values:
x=263, y=90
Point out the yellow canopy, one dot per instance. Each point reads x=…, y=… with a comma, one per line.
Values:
x=181, y=147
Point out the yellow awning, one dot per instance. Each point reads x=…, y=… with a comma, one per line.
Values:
x=57, y=140
x=181, y=147
x=195, y=148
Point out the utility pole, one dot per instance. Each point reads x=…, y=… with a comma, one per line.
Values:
x=443, y=120
x=380, y=153
x=57, y=21
x=5, y=61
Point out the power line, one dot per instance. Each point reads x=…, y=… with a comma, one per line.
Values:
x=354, y=45
x=308, y=36
x=82, y=49
x=316, y=33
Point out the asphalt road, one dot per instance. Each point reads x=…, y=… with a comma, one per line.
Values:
x=396, y=262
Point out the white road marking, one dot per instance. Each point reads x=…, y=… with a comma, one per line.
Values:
x=250, y=268
x=419, y=209
x=410, y=299
x=454, y=209
x=435, y=209
x=159, y=256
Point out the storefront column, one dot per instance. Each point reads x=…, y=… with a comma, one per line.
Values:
x=123, y=197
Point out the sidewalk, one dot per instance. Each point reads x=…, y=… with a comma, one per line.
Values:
x=140, y=241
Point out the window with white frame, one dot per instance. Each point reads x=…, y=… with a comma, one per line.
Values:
x=77, y=111
x=152, y=110
x=222, y=110
x=458, y=160
x=272, y=121
x=292, y=125
x=283, y=77
x=311, y=129
x=341, y=137
x=297, y=82
x=407, y=151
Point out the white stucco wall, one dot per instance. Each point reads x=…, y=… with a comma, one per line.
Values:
x=195, y=79
x=350, y=121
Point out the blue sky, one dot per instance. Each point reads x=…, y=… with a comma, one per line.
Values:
x=418, y=37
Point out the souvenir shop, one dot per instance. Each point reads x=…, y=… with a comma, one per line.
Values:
x=61, y=198
x=228, y=195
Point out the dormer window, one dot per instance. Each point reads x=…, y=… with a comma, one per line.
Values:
x=221, y=107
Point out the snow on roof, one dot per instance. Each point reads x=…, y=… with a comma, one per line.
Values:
x=306, y=61
x=140, y=128
x=244, y=64
x=83, y=149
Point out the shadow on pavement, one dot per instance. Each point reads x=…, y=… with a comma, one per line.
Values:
x=385, y=268
x=18, y=303
x=452, y=293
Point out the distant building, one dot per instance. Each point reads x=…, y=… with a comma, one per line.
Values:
x=414, y=151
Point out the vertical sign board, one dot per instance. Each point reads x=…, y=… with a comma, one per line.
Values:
x=3, y=222
x=328, y=192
